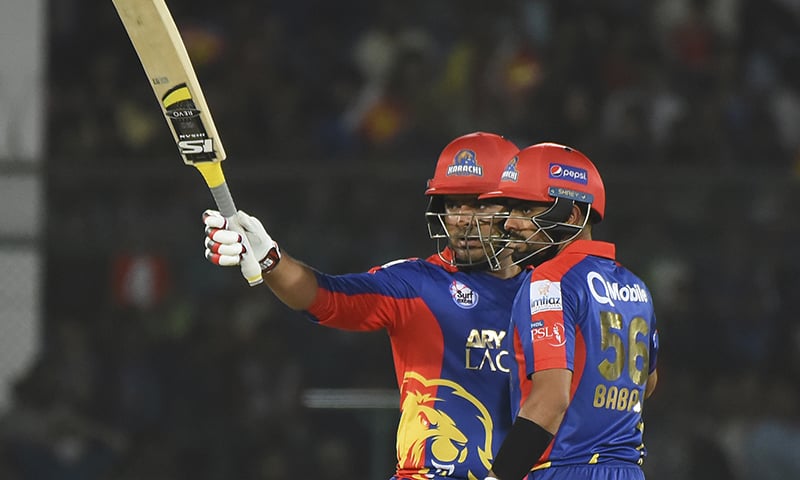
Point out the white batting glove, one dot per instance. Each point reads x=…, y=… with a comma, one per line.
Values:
x=224, y=246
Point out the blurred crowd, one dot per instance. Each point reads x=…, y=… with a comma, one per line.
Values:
x=157, y=365
x=687, y=81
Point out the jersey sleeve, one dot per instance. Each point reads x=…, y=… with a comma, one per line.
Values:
x=544, y=318
x=362, y=301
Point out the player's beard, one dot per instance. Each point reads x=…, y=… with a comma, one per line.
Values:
x=472, y=255
x=525, y=258
x=534, y=253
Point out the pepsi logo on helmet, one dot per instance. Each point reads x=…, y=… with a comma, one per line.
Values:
x=569, y=173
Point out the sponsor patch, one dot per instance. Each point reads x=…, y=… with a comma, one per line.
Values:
x=553, y=334
x=545, y=296
x=568, y=173
x=184, y=116
x=607, y=293
x=462, y=295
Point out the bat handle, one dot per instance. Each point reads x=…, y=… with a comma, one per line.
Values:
x=212, y=172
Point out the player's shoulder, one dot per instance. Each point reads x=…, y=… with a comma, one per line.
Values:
x=576, y=257
x=397, y=265
x=434, y=266
x=554, y=269
x=628, y=277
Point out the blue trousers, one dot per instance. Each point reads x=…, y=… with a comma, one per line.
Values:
x=614, y=471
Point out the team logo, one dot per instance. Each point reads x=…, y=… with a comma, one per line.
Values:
x=428, y=435
x=545, y=296
x=510, y=174
x=462, y=295
x=571, y=174
x=465, y=162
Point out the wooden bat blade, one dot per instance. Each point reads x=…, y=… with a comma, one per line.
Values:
x=166, y=62
x=163, y=55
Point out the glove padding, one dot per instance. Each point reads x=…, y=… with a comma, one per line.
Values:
x=224, y=246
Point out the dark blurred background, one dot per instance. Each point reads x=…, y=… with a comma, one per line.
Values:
x=152, y=363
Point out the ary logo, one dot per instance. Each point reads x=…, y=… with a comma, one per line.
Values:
x=462, y=295
x=545, y=296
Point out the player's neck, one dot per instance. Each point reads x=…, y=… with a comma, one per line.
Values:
x=507, y=271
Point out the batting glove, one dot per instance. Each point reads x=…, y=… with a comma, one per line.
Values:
x=224, y=246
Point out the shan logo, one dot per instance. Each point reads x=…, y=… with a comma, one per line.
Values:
x=431, y=442
x=462, y=295
x=465, y=163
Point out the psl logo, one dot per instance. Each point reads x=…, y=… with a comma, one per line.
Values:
x=553, y=333
x=427, y=431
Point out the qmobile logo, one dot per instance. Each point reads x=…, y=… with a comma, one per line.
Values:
x=565, y=172
x=606, y=293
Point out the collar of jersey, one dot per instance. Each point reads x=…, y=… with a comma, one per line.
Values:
x=592, y=247
x=443, y=259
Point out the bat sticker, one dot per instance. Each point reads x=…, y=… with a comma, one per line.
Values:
x=193, y=140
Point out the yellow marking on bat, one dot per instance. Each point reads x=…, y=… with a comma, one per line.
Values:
x=176, y=96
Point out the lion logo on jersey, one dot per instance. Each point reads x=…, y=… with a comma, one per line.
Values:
x=427, y=431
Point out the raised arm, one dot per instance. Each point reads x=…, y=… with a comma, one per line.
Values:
x=293, y=282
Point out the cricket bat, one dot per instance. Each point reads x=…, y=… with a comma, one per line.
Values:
x=158, y=44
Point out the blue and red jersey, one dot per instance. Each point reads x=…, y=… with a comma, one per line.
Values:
x=585, y=312
x=448, y=331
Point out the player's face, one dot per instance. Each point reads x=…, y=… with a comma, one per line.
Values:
x=470, y=223
x=524, y=235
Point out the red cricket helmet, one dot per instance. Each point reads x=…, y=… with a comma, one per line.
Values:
x=471, y=164
x=547, y=171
